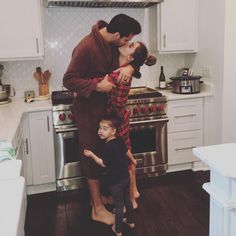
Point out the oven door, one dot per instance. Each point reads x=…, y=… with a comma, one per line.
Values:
x=149, y=146
x=67, y=159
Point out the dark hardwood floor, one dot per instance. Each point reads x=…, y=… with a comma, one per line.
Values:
x=171, y=205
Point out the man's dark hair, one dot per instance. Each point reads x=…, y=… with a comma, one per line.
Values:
x=123, y=24
x=114, y=119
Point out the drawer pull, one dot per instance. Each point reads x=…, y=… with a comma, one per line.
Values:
x=26, y=146
x=37, y=45
x=185, y=148
x=48, y=124
x=191, y=115
x=164, y=41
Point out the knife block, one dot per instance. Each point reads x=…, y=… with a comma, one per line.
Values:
x=43, y=89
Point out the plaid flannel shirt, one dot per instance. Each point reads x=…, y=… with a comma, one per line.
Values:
x=117, y=100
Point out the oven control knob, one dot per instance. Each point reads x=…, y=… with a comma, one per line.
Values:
x=152, y=108
x=62, y=117
x=136, y=110
x=161, y=108
x=71, y=116
x=144, y=109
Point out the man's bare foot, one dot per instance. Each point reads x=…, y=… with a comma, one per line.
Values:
x=131, y=225
x=103, y=215
x=107, y=200
x=114, y=230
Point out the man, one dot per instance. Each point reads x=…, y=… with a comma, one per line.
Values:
x=95, y=56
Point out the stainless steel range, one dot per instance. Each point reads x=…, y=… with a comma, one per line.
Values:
x=148, y=131
x=148, y=134
x=68, y=169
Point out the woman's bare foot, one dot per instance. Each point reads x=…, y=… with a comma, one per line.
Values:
x=131, y=225
x=114, y=230
x=136, y=194
x=135, y=204
x=103, y=215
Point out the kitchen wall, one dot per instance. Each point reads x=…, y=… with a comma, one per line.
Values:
x=229, y=82
x=63, y=29
x=217, y=50
x=211, y=53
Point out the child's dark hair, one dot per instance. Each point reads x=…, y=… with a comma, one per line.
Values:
x=114, y=119
x=124, y=24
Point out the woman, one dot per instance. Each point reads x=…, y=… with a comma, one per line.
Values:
x=137, y=54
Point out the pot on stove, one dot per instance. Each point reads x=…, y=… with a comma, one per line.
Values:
x=3, y=95
x=188, y=84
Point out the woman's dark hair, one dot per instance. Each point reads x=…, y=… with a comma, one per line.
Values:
x=141, y=56
x=114, y=119
x=125, y=25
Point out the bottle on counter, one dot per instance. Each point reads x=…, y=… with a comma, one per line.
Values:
x=162, y=79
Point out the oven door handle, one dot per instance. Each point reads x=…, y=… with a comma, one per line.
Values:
x=148, y=121
x=139, y=161
x=66, y=130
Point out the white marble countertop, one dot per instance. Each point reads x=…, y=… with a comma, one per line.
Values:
x=221, y=158
x=207, y=89
x=11, y=113
x=13, y=206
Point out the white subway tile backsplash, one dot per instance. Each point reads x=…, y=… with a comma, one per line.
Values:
x=64, y=27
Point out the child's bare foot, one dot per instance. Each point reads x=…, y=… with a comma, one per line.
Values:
x=131, y=225
x=103, y=215
x=114, y=230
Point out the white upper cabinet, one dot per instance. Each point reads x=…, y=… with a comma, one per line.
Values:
x=21, y=30
x=177, y=25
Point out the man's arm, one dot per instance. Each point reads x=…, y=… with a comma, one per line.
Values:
x=74, y=78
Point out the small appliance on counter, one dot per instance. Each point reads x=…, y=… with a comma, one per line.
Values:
x=6, y=90
x=185, y=82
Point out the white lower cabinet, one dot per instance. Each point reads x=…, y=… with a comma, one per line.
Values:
x=181, y=144
x=41, y=147
x=185, y=131
x=34, y=145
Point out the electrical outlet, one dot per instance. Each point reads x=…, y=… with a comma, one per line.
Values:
x=206, y=71
x=29, y=94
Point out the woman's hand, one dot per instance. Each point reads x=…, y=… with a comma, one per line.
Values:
x=125, y=73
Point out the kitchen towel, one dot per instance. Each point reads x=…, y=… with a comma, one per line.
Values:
x=7, y=152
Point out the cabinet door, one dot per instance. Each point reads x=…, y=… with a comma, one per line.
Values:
x=42, y=147
x=180, y=146
x=185, y=115
x=177, y=26
x=27, y=156
x=20, y=156
x=21, y=29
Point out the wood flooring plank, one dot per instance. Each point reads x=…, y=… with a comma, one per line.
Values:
x=171, y=205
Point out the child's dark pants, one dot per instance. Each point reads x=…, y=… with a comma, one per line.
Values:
x=121, y=196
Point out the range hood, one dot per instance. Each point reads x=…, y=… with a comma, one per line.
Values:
x=102, y=3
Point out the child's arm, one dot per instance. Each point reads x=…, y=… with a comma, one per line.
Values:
x=131, y=157
x=98, y=160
